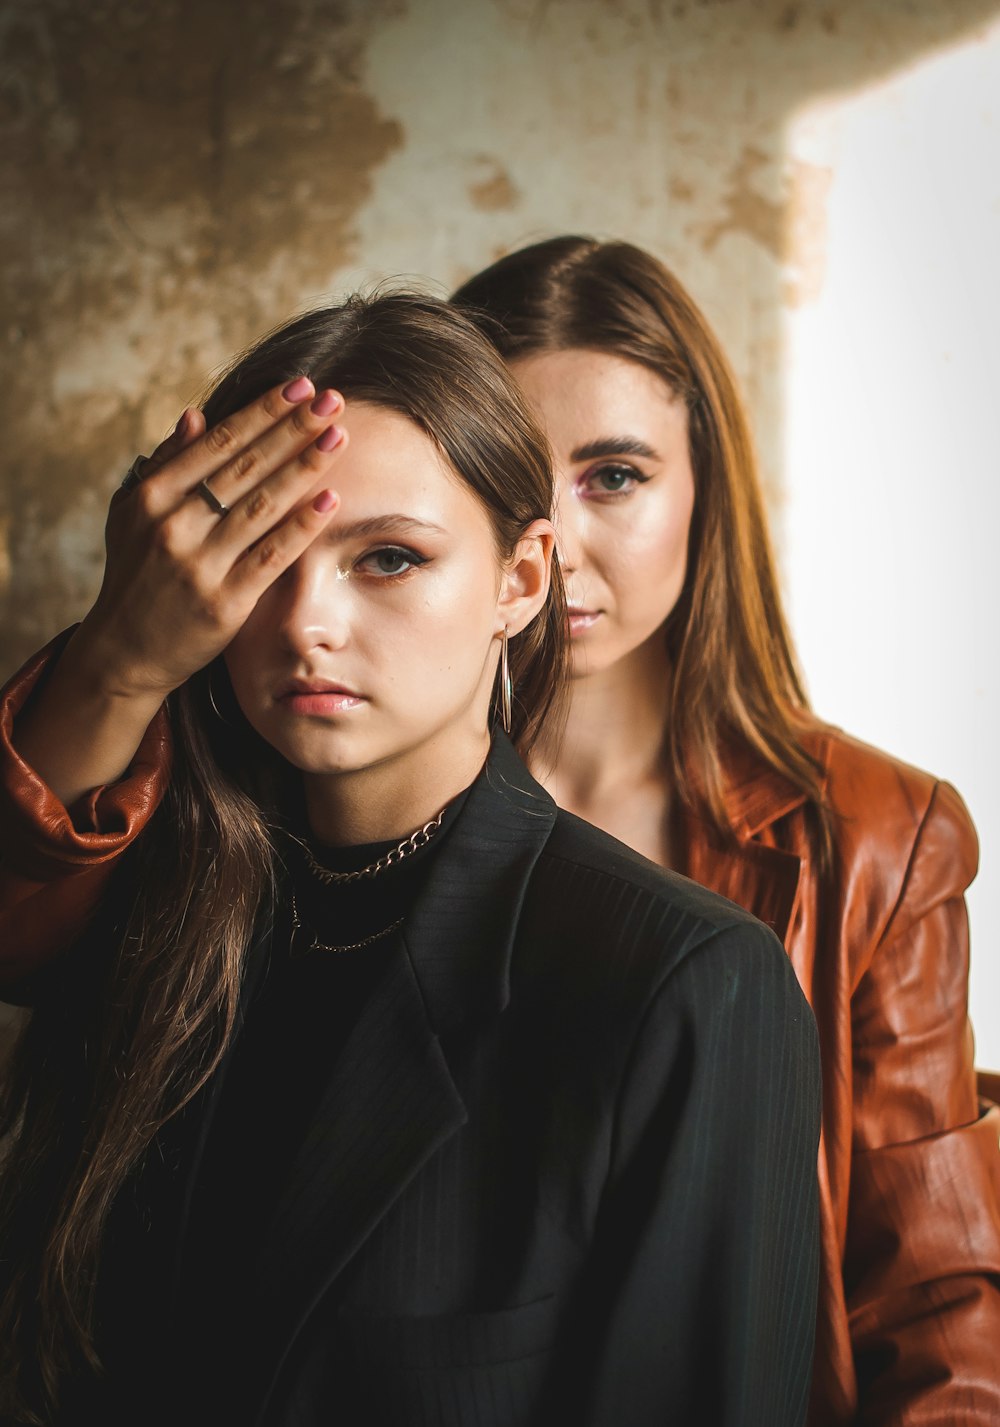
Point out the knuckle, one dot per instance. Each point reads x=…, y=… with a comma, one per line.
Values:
x=258, y=505
x=148, y=500
x=273, y=405
x=268, y=555
x=221, y=440
x=165, y=538
x=244, y=463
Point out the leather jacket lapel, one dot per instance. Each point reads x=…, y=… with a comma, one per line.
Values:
x=761, y=879
x=747, y=868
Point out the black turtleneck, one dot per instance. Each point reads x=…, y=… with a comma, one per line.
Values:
x=300, y=1011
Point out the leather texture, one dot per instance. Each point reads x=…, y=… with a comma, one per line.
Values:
x=43, y=845
x=909, y=1166
x=563, y=1170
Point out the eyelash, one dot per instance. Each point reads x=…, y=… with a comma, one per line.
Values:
x=614, y=468
x=413, y=561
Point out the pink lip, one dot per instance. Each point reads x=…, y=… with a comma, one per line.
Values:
x=317, y=697
x=582, y=619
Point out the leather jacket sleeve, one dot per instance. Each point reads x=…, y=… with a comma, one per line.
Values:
x=922, y=1254
x=55, y=864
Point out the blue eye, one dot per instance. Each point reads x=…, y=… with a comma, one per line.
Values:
x=391, y=560
x=613, y=480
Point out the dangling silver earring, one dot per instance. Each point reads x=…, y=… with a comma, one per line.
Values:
x=506, y=686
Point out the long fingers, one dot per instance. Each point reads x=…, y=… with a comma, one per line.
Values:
x=268, y=503
x=226, y=449
x=248, y=474
x=281, y=547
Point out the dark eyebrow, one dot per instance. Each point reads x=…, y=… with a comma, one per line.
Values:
x=614, y=446
x=387, y=524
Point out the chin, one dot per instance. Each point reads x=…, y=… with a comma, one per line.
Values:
x=584, y=662
x=326, y=753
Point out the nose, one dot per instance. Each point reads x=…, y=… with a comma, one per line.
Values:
x=569, y=524
x=313, y=608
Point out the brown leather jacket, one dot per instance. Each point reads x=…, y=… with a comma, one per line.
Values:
x=909, y=1169
x=909, y=1165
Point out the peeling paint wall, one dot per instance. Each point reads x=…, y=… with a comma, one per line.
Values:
x=179, y=177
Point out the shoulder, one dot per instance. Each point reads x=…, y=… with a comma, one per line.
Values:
x=615, y=952
x=882, y=807
x=622, y=913
x=596, y=864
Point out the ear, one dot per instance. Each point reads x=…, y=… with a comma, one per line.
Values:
x=524, y=586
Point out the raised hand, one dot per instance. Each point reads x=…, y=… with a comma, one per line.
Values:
x=214, y=518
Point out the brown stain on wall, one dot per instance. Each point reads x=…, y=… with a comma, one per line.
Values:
x=495, y=191
x=783, y=209
x=749, y=210
x=180, y=179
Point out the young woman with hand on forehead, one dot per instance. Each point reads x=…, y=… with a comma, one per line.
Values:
x=361, y=1084
x=689, y=737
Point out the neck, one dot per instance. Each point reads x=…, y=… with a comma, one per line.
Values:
x=615, y=731
x=390, y=799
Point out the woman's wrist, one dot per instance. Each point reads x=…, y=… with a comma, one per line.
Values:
x=84, y=723
x=100, y=675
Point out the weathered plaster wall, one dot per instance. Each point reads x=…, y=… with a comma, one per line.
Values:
x=178, y=177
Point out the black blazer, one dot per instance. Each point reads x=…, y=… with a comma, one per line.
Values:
x=563, y=1172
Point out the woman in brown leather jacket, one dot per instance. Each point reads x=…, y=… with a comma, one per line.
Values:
x=689, y=737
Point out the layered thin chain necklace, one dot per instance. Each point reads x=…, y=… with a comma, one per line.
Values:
x=302, y=942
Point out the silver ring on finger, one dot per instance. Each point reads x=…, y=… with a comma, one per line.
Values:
x=133, y=475
x=213, y=502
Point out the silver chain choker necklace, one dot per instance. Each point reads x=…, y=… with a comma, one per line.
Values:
x=404, y=849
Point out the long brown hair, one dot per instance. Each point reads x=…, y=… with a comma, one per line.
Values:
x=139, y=1014
x=735, y=677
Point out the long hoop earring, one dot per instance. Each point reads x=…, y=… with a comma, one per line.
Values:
x=506, y=686
x=211, y=700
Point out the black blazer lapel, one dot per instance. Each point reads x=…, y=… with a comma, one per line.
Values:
x=461, y=932
x=392, y=1102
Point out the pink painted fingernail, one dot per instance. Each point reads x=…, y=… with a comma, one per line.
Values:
x=329, y=439
x=325, y=404
x=298, y=390
x=325, y=501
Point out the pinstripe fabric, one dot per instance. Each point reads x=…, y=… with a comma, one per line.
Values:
x=564, y=1171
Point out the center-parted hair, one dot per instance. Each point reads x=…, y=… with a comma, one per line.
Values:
x=735, y=678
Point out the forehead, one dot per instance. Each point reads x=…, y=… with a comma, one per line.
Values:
x=390, y=464
x=581, y=395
